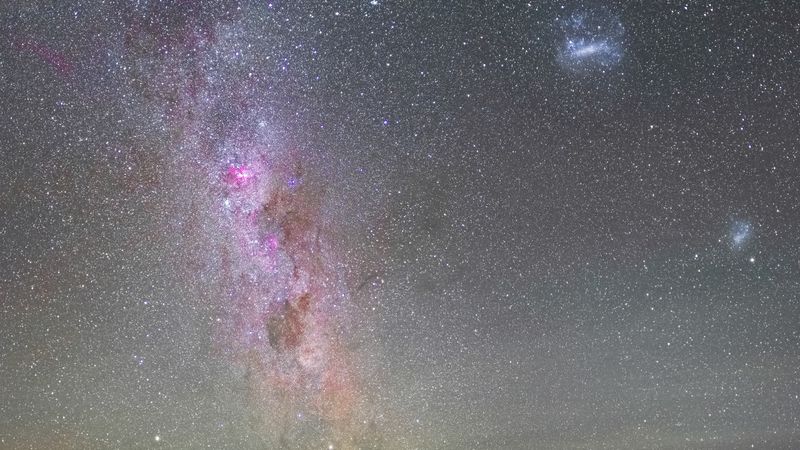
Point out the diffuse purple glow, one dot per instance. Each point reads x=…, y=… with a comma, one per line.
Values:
x=239, y=175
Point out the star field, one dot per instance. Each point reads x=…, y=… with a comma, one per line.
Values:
x=399, y=225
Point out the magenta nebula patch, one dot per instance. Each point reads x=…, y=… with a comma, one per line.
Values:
x=239, y=175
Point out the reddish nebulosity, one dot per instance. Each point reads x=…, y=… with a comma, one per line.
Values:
x=238, y=176
x=270, y=243
x=281, y=283
x=286, y=322
x=57, y=60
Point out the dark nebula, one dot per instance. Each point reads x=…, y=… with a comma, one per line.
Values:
x=242, y=224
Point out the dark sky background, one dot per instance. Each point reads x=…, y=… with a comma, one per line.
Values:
x=385, y=224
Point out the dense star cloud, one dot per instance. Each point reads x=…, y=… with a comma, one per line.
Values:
x=740, y=234
x=591, y=40
x=388, y=225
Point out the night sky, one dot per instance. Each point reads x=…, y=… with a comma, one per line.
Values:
x=396, y=224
